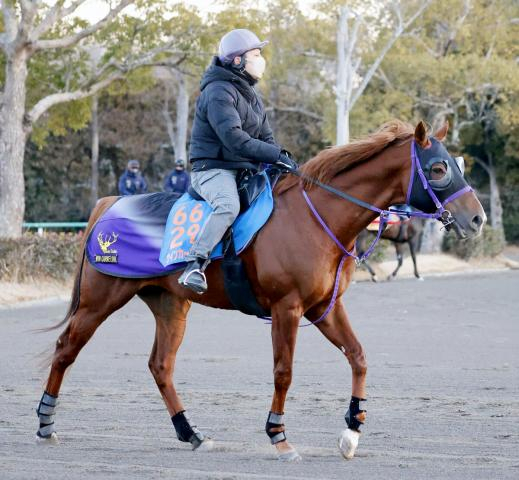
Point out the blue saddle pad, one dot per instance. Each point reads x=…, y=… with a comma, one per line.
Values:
x=148, y=235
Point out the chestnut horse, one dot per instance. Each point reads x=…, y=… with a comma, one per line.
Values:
x=293, y=269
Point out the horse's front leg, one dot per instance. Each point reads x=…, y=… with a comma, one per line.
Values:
x=285, y=322
x=336, y=328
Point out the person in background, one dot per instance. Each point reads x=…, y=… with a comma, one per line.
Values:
x=131, y=181
x=177, y=181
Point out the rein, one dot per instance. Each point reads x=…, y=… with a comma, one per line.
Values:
x=441, y=214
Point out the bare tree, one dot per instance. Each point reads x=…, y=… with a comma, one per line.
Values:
x=94, y=125
x=475, y=107
x=352, y=76
x=471, y=106
x=176, y=83
x=496, y=206
x=27, y=25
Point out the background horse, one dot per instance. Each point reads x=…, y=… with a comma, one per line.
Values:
x=292, y=266
x=408, y=230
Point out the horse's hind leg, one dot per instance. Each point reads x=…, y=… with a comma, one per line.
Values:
x=92, y=311
x=371, y=271
x=412, y=249
x=170, y=314
x=336, y=328
x=399, y=258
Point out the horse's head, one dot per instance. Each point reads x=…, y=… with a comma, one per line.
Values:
x=437, y=184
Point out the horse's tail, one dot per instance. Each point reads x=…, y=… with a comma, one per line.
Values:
x=100, y=207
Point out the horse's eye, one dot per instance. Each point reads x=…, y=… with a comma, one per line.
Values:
x=438, y=171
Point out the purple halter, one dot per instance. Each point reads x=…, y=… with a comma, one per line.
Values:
x=440, y=206
x=441, y=214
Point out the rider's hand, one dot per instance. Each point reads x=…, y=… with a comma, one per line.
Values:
x=285, y=162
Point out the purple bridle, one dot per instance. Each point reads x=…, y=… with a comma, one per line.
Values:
x=441, y=214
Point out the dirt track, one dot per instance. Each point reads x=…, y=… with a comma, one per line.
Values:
x=443, y=391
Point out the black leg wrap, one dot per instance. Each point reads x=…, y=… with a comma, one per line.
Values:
x=185, y=431
x=275, y=420
x=45, y=411
x=352, y=417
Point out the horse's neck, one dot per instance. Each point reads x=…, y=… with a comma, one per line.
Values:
x=377, y=181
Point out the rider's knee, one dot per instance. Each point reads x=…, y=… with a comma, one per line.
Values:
x=230, y=206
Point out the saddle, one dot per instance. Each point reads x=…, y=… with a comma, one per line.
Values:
x=250, y=185
x=236, y=282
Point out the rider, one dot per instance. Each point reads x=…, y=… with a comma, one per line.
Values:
x=177, y=181
x=230, y=133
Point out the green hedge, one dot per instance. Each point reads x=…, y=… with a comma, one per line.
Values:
x=489, y=244
x=31, y=257
x=55, y=255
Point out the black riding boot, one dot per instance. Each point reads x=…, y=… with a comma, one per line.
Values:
x=194, y=277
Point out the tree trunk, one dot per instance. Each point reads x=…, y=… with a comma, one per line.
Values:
x=180, y=138
x=346, y=126
x=13, y=136
x=432, y=238
x=496, y=208
x=94, y=189
x=177, y=131
x=340, y=87
x=273, y=117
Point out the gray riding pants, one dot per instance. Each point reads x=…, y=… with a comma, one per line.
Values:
x=218, y=188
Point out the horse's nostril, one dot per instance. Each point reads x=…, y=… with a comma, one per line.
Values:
x=477, y=221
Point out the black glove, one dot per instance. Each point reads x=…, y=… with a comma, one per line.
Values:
x=285, y=162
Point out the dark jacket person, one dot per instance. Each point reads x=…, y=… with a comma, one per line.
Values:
x=177, y=181
x=230, y=133
x=231, y=129
x=131, y=182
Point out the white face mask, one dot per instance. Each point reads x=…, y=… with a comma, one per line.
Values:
x=255, y=67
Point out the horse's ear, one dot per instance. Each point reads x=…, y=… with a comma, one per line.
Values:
x=420, y=134
x=441, y=133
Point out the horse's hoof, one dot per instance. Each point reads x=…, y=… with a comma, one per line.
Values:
x=374, y=279
x=52, y=439
x=206, y=446
x=348, y=442
x=421, y=279
x=289, y=456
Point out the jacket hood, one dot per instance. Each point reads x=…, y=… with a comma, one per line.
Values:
x=217, y=72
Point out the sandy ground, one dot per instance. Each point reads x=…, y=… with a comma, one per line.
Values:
x=443, y=389
x=12, y=293
x=428, y=265
x=512, y=252
x=439, y=264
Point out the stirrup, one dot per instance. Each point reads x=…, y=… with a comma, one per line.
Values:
x=195, y=279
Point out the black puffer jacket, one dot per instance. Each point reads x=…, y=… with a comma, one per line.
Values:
x=230, y=130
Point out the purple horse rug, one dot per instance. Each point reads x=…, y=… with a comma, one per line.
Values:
x=127, y=239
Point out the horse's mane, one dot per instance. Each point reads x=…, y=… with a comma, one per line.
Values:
x=334, y=160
